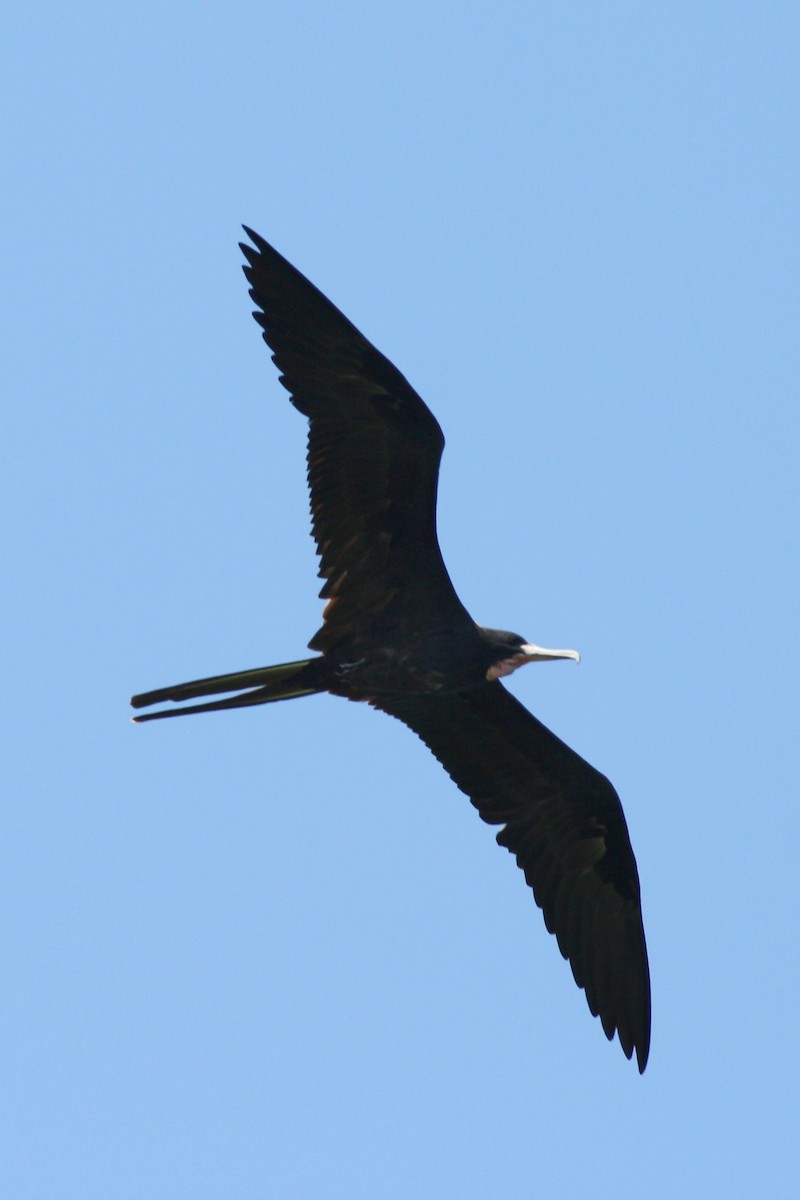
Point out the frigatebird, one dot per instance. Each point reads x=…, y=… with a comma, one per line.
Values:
x=396, y=635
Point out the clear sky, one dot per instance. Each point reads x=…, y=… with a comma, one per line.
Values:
x=275, y=953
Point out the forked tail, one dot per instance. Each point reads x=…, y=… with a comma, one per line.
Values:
x=265, y=684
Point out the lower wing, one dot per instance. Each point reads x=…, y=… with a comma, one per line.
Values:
x=564, y=823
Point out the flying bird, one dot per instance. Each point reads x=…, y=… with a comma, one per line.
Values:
x=396, y=635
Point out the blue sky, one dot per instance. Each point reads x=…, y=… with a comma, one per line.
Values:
x=275, y=953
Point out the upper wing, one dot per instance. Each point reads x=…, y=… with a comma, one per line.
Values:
x=373, y=454
x=564, y=822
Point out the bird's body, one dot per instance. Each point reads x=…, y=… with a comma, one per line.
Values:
x=396, y=635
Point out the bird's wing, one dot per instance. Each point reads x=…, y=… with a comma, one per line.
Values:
x=564, y=823
x=373, y=455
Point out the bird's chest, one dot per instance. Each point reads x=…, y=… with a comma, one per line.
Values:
x=417, y=663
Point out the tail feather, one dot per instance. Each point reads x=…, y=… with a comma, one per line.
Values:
x=265, y=684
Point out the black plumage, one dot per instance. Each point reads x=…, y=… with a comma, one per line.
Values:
x=396, y=635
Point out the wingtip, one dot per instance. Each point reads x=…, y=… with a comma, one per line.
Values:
x=638, y=1042
x=250, y=252
x=256, y=239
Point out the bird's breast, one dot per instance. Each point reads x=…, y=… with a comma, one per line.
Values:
x=443, y=661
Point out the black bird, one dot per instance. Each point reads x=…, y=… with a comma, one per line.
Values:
x=396, y=635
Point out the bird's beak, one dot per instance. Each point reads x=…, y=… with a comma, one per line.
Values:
x=533, y=653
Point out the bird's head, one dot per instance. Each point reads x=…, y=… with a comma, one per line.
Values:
x=510, y=651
